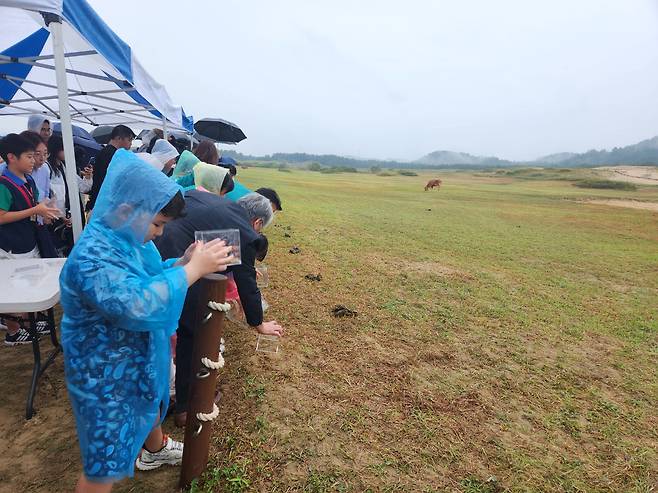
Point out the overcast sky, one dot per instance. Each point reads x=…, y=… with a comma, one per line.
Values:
x=514, y=79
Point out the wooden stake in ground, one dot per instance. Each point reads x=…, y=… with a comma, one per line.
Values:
x=206, y=362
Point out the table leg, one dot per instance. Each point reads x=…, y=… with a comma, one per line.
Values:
x=36, y=370
x=53, y=328
x=39, y=368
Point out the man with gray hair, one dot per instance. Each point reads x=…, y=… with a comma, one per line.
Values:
x=207, y=211
x=259, y=209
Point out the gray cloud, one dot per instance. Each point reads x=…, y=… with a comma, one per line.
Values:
x=387, y=79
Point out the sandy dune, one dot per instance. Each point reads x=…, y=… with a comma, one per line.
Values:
x=641, y=175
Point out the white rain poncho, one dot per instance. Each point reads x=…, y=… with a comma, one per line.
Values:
x=161, y=154
x=35, y=122
x=121, y=305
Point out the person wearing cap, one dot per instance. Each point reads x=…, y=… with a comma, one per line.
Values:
x=121, y=138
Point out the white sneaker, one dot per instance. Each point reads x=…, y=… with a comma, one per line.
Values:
x=171, y=454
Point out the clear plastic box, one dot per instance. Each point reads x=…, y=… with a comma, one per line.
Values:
x=230, y=236
x=267, y=344
x=262, y=276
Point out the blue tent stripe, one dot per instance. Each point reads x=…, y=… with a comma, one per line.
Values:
x=89, y=24
x=30, y=46
x=188, y=122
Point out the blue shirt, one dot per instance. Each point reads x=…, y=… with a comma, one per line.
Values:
x=238, y=191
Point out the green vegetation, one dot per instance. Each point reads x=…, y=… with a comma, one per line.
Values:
x=506, y=339
x=407, y=173
x=606, y=184
x=338, y=169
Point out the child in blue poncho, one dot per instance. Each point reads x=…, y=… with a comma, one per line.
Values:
x=121, y=304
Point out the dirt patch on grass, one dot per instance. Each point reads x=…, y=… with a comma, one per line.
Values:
x=640, y=175
x=427, y=267
x=437, y=269
x=628, y=204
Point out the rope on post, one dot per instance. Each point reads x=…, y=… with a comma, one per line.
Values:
x=213, y=365
x=206, y=360
x=219, y=307
x=208, y=416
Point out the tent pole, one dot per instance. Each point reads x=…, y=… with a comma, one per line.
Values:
x=55, y=25
x=164, y=128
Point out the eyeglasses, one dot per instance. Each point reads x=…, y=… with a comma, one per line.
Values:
x=42, y=154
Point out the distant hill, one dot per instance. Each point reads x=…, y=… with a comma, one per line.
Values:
x=557, y=158
x=302, y=159
x=447, y=158
x=645, y=152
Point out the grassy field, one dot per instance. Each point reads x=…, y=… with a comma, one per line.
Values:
x=506, y=340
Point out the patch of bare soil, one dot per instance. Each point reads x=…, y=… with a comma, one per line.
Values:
x=437, y=269
x=629, y=204
x=640, y=175
x=421, y=267
x=42, y=455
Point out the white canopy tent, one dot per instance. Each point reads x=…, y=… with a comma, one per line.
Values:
x=58, y=58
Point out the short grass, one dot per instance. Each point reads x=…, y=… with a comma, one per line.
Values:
x=506, y=340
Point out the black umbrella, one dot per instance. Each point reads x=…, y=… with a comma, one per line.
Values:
x=102, y=134
x=80, y=136
x=219, y=130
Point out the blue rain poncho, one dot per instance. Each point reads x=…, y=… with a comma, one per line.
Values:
x=121, y=305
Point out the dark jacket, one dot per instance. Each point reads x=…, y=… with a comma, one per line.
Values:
x=100, y=170
x=205, y=211
x=19, y=236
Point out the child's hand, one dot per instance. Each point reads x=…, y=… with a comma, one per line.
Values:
x=208, y=258
x=45, y=210
x=185, y=259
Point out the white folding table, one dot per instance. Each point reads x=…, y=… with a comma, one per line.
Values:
x=31, y=286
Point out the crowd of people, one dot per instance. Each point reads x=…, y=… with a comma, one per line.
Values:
x=129, y=285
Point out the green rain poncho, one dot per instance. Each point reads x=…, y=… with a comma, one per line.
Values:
x=209, y=177
x=183, y=171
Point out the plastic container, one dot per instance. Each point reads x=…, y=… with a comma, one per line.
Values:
x=230, y=236
x=262, y=277
x=236, y=314
x=267, y=344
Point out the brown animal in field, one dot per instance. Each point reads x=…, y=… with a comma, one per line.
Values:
x=433, y=184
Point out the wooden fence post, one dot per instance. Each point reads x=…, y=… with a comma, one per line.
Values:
x=209, y=323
